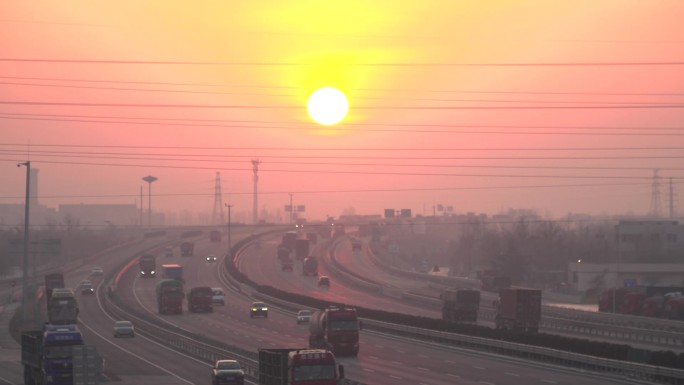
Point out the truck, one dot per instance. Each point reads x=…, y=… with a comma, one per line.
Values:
x=52, y=281
x=335, y=329
x=298, y=367
x=519, y=309
x=286, y=264
x=301, y=248
x=200, y=299
x=310, y=266
x=62, y=308
x=56, y=355
x=289, y=239
x=148, y=265
x=357, y=245
x=215, y=236
x=460, y=305
x=173, y=271
x=170, y=296
x=187, y=249
x=493, y=281
x=283, y=251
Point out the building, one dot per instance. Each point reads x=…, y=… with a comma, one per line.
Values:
x=649, y=241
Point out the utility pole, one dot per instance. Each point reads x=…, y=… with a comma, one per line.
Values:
x=141, y=206
x=255, y=208
x=291, y=209
x=26, y=240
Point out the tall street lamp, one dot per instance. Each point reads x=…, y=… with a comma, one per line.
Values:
x=149, y=179
x=26, y=239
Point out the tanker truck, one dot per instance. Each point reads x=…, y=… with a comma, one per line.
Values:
x=335, y=329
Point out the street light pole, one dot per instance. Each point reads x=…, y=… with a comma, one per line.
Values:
x=229, y=240
x=26, y=239
x=149, y=179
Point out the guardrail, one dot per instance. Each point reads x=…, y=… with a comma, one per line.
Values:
x=206, y=349
x=196, y=345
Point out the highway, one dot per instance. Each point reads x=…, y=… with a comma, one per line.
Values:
x=382, y=359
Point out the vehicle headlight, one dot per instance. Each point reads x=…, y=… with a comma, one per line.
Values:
x=142, y=272
x=264, y=308
x=254, y=309
x=152, y=272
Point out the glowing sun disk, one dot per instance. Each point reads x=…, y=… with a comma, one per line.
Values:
x=327, y=106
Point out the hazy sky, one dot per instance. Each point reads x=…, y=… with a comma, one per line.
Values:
x=561, y=106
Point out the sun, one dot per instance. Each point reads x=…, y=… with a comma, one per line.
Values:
x=327, y=106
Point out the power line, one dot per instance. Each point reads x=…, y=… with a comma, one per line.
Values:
x=590, y=128
x=356, y=89
x=377, y=64
x=342, y=172
x=574, y=185
x=264, y=107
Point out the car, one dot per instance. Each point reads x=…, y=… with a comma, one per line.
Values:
x=303, y=316
x=218, y=296
x=211, y=258
x=124, y=329
x=87, y=288
x=258, y=309
x=323, y=281
x=97, y=270
x=227, y=372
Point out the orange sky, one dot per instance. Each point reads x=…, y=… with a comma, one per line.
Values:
x=397, y=61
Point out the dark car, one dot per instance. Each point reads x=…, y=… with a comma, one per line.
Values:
x=87, y=288
x=211, y=258
x=227, y=372
x=258, y=309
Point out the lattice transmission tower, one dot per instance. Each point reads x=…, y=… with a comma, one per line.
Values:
x=655, y=195
x=217, y=215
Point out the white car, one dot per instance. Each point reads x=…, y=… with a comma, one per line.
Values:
x=218, y=296
x=97, y=270
x=124, y=329
x=303, y=316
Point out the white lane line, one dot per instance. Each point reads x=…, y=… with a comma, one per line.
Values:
x=424, y=369
x=486, y=383
x=548, y=381
x=512, y=374
x=8, y=381
x=139, y=336
x=479, y=367
x=453, y=375
x=396, y=377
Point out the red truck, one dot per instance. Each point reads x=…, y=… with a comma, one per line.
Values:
x=187, y=249
x=148, y=265
x=335, y=329
x=200, y=299
x=53, y=281
x=170, y=296
x=460, y=305
x=298, y=367
x=519, y=309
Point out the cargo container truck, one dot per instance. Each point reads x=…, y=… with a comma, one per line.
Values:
x=301, y=248
x=460, y=305
x=519, y=309
x=289, y=239
x=299, y=367
x=56, y=355
x=170, y=296
x=53, y=281
x=173, y=271
x=62, y=308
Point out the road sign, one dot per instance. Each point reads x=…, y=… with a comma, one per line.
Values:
x=630, y=282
